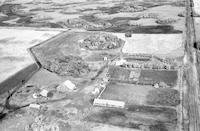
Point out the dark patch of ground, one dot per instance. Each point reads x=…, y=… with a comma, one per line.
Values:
x=168, y=113
x=113, y=117
x=119, y=73
x=110, y=10
x=127, y=119
x=169, y=77
x=160, y=29
x=137, y=59
x=9, y=9
x=116, y=9
x=117, y=20
x=2, y=116
x=158, y=127
x=25, y=20
x=19, y=78
x=12, y=12
x=164, y=97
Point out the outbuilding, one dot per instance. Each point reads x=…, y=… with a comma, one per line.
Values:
x=66, y=85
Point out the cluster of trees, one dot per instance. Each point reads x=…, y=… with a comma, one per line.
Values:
x=102, y=41
x=166, y=21
x=133, y=8
x=148, y=66
x=80, y=23
x=149, y=15
x=67, y=66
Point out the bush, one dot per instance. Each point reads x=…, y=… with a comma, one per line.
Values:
x=182, y=14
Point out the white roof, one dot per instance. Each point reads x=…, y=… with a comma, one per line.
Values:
x=69, y=84
x=120, y=62
x=109, y=102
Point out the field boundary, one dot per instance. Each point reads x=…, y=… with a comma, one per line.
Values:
x=19, y=78
x=30, y=50
x=23, y=76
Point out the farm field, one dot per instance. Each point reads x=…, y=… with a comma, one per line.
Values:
x=169, y=77
x=130, y=93
x=143, y=76
x=119, y=73
x=155, y=44
x=14, y=45
x=133, y=94
x=136, y=118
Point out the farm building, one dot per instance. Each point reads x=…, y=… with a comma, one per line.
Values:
x=65, y=86
x=109, y=103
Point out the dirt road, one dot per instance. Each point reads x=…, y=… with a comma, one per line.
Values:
x=191, y=95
